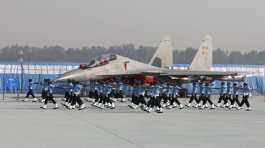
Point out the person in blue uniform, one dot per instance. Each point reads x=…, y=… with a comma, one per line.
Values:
x=245, y=96
x=235, y=98
x=107, y=91
x=30, y=91
x=147, y=96
x=207, y=96
x=76, y=97
x=44, y=91
x=158, y=98
x=222, y=95
x=138, y=98
x=229, y=92
x=193, y=94
x=102, y=99
x=120, y=92
x=96, y=94
x=170, y=104
x=50, y=97
x=201, y=95
x=164, y=95
x=135, y=97
x=155, y=100
x=174, y=100
x=91, y=94
x=68, y=94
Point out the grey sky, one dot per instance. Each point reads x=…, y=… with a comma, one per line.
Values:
x=236, y=24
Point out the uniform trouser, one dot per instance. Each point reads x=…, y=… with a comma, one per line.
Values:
x=96, y=96
x=141, y=100
x=207, y=98
x=221, y=98
x=67, y=96
x=49, y=98
x=174, y=99
x=71, y=99
x=118, y=94
x=228, y=98
x=108, y=100
x=30, y=92
x=158, y=101
x=193, y=98
x=102, y=98
x=135, y=99
x=235, y=99
x=165, y=98
x=91, y=94
x=245, y=101
x=44, y=94
x=76, y=99
x=200, y=99
x=151, y=103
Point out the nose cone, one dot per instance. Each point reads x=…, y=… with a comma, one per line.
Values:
x=73, y=75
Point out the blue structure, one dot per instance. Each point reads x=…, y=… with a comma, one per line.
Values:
x=14, y=77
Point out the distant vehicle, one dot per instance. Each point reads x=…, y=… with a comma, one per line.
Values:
x=109, y=67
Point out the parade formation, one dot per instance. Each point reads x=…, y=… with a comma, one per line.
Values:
x=155, y=98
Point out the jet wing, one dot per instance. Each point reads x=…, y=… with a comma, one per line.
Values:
x=197, y=73
x=166, y=72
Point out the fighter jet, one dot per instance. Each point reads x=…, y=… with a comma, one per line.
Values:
x=112, y=66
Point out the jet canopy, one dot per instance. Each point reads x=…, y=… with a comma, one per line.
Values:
x=99, y=61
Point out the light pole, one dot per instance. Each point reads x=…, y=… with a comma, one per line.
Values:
x=21, y=60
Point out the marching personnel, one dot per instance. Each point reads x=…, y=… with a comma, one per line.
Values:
x=109, y=102
x=120, y=92
x=235, y=96
x=138, y=98
x=246, y=95
x=207, y=96
x=170, y=92
x=101, y=97
x=68, y=95
x=150, y=103
x=155, y=100
x=193, y=94
x=222, y=95
x=201, y=95
x=142, y=93
x=135, y=97
x=44, y=92
x=76, y=97
x=96, y=94
x=141, y=98
x=229, y=92
x=158, y=98
x=164, y=95
x=147, y=96
x=91, y=91
x=174, y=100
x=50, y=97
x=30, y=91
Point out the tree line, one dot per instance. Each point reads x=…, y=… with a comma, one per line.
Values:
x=56, y=54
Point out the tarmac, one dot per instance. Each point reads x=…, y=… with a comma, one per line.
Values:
x=25, y=125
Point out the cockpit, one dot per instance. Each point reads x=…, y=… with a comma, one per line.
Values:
x=99, y=61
